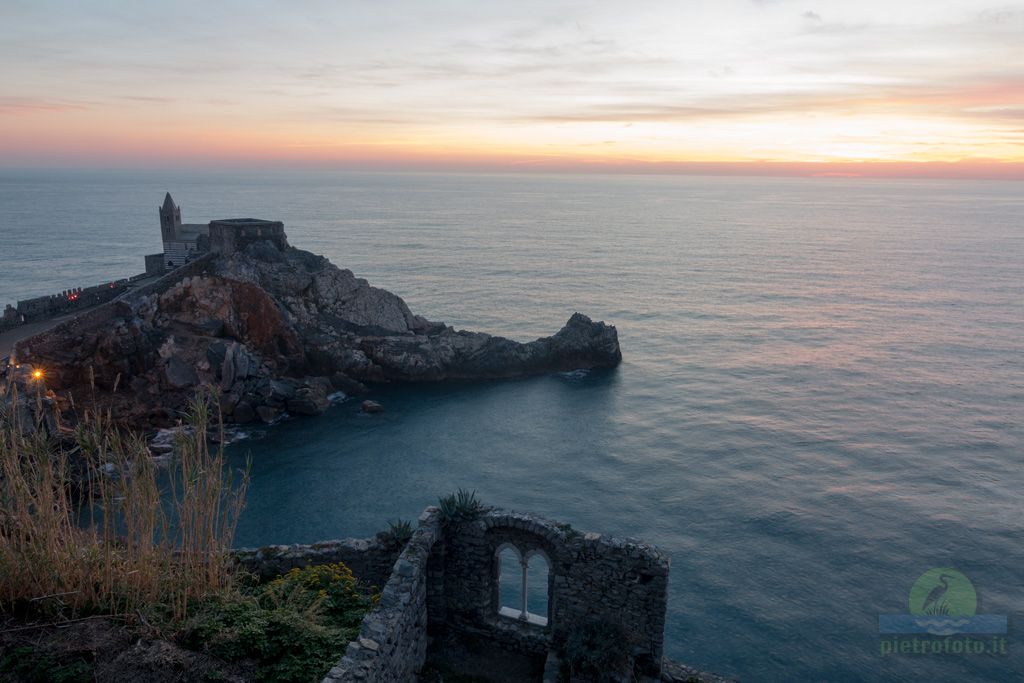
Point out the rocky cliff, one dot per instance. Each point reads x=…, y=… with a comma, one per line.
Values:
x=275, y=331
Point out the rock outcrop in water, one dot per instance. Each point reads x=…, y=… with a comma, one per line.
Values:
x=278, y=331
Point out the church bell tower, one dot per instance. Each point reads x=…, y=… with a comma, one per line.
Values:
x=170, y=219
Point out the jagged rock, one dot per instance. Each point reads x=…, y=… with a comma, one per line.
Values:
x=347, y=385
x=243, y=413
x=372, y=407
x=216, y=352
x=581, y=343
x=262, y=324
x=676, y=672
x=267, y=413
x=179, y=374
x=310, y=399
x=283, y=390
x=212, y=327
x=228, y=402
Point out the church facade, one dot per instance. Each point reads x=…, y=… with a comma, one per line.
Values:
x=184, y=242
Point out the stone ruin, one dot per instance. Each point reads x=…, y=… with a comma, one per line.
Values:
x=444, y=582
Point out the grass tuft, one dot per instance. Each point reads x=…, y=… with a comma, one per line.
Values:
x=99, y=535
x=399, y=532
x=461, y=506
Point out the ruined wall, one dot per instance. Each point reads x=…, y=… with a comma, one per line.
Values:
x=446, y=576
x=591, y=578
x=370, y=559
x=392, y=643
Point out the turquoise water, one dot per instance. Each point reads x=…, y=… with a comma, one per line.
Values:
x=821, y=395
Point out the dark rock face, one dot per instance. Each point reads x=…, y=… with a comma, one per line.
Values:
x=448, y=354
x=180, y=374
x=279, y=331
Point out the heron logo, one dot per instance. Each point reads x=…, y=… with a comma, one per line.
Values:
x=942, y=602
x=943, y=592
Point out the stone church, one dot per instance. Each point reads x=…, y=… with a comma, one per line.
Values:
x=184, y=242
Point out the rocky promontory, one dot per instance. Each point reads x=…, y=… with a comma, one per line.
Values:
x=277, y=330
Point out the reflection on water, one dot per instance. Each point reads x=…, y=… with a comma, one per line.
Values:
x=821, y=395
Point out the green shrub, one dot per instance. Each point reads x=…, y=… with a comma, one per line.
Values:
x=461, y=506
x=399, y=532
x=295, y=627
x=25, y=664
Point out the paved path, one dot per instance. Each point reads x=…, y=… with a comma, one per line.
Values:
x=11, y=337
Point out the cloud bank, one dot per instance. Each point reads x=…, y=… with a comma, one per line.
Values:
x=652, y=85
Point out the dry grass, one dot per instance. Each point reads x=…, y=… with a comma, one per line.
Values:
x=116, y=544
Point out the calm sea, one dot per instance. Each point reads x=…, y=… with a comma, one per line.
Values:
x=822, y=392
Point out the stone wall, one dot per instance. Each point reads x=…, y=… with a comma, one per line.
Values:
x=235, y=234
x=156, y=264
x=106, y=313
x=199, y=266
x=66, y=301
x=370, y=559
x=591, y=578
x=446, y=577
x=392, y=642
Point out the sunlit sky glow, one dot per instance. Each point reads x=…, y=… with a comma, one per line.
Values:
x=873, y=87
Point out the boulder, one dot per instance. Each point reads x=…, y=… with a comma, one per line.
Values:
x=308, y=401
x=372, y=407
x=243, y=413
x=180, y=374
x=282, y=390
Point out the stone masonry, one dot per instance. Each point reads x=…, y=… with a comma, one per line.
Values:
x=446, y=577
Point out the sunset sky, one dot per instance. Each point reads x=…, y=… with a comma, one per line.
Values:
x=904, y=87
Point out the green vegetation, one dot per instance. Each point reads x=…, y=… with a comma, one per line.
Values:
x=296, y=626
x=461, y=506
x=570, y=533
x=86, y=531
x=399, y=532
x=25, y=664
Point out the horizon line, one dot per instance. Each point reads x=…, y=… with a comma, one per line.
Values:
x=967, y=169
